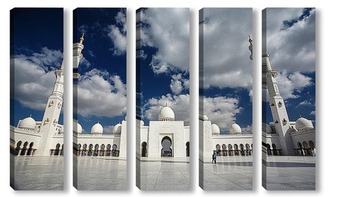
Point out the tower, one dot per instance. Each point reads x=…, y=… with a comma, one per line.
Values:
x=277, y=106
x=77, y=56
x=48, y=127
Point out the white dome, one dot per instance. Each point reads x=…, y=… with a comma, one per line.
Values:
x=97, y=128
x=215, y=129
x=203, y=117
x=303, y=123
x=117, y=128
x=235, y=128
x=27, y=123
x=77, y=127
x=166, y=114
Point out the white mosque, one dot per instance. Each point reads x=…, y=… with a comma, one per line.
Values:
x=45, y=137
x=282, y=136
x=97, y=142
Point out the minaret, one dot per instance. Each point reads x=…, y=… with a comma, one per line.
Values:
x=77, y=56
x=277, y=105
x=48, y=127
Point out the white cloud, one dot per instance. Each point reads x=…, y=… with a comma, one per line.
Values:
x=225, y=45
x=304, y=103
x=118, y=35
x=292, y=49
x=221, y=110
x=179, y=103
x=178, y=84
x=290, y=85
x=167, y=30
x=100, y=94
x=313, y=113
x=34, y=77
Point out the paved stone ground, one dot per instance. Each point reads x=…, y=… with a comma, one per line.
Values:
x=101, y=173
x=37, y=173
x=164, y=175
x=229, y=173
x=289, y=173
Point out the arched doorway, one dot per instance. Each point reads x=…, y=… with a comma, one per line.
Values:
x=187, y=149
x=306, y=148
x=62, y=150
x=24, y=149
x=218, y=150
x=114, y=150
x=224, y=151
x=241, y=146
x=300, y=149
x=247, y=147
x=268, y=149
x=274, y=149
x=102, y=151
x=230, y=151
x=96, y=150
x=90, y=150
x=312, y=148
x=57, y=149
x=18, y=147
x=144, y=149
x=108, y=152
x=235, y=146
x=166, y=147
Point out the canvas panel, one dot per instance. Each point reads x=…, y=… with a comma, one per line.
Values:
x=100, y=99
x=288, y=100
x=162, y=99
x=225, y=99
x=36, y=99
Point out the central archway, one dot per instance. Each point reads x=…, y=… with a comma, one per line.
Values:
x=166, y=147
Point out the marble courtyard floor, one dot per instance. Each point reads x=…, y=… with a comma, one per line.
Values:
x=37, y=173
x=289, y=173
x=229, y=173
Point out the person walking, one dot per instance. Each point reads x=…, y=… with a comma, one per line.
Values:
x=213, y=158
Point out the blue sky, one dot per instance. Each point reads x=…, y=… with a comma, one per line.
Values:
x=163, y=62
x=102, y=84
x=290, y=34
x=36, y=50
x=227, y=76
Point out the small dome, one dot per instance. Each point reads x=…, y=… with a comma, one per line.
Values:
x=77, y=127
x=27, y=123
x=203, y=117
x=142, y=123
x=235, y=128
x=117, y=128
x=303, y=123
x=215, y=129
x=166, y=114
x=97, y=129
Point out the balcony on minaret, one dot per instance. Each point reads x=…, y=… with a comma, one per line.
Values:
x=46, y=121
x=284, y=121
x=279, y=104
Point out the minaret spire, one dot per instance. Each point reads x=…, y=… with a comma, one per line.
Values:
x=277, y=106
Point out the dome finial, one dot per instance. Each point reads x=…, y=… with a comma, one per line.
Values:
x=82, y=38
